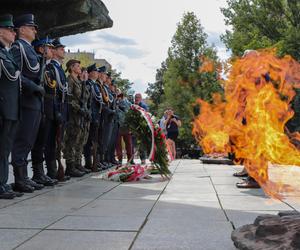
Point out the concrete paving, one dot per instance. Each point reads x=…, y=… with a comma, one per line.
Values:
x=196, y=209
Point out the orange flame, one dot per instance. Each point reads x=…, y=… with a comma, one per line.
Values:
x=207, y=65
x=251, y=123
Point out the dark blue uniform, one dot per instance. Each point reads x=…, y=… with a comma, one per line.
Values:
x=108, y=114
x=9, y=110
x=31, y=108
x=96, y=107
x=46, y=134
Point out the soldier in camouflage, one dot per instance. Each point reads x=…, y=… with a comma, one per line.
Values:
x=76, y=122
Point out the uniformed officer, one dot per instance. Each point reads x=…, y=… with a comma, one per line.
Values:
x=91, y=147
x=114, y=124
x=78, y=113
x=31, y=105
x=9, y=101
x=43, y=47
x=108, y=116
x=86, y=102
x=54, y=145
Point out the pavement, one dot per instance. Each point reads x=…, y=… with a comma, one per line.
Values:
x=196, y=209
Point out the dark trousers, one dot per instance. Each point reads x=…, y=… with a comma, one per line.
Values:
x=87, y=151
x=106, y=134
x=128, y=144
x=25, y=137
x=50, y=147
x=44, y=146
x=8, y=130
x=113, y=140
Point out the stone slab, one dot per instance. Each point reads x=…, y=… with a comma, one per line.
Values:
x=198, y=211
x=124, y=192
x=75, y=240
x=233, y=190
x=244, y=203
x=103, y=223
x=184, y=233
x=11, y=238
x=129, y=208
x=240, y=218
x=32, y=220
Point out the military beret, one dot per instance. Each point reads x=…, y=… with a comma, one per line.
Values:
x=6, y=21
x=102, y=69
x=70, y=63
x=57, y=44
x=92, y=68
x=25, y=20
x=108, y=74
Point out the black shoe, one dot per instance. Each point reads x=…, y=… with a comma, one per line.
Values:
x=55, y=181
x=23, y=188
x=75, y=173
x=9, y=189
x=72, y=171
x=83, y=169
x=35, y=185
x=43, y=180
x=7, y=195
x=114, y=162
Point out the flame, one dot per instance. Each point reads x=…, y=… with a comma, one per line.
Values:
x=251, y=122
x=207, y=64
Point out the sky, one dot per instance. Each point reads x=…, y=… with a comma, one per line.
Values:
x=141, y=34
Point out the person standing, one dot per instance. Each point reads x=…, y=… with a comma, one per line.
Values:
x=75, y=124
x=86, y=102
x=91, y=148
x=124, y=106
x=43, y=47
x=172, y=123
x=32, y=101
x=61, y=112
x=9, y=101
x=138, y=100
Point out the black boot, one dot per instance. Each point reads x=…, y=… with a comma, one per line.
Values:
x=4, y=194
x=51, y=169
x=39, y=175
x=72, y=171
x=20, y=184
x=9, y=189
x=82, y=168
x=30, y=182
x=88, y=162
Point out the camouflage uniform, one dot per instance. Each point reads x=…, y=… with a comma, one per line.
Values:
x=86, y=106
x=73, y=144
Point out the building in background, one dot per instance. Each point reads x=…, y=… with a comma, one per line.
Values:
x=87, y=58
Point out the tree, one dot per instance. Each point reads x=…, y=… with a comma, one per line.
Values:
x=263, y=23
x=155, y=91
x=183, y=81
x=123, y=84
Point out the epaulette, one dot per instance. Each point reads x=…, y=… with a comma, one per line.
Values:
x=15, y=45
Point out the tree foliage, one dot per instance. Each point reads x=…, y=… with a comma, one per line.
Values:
x=263, y=23
x=179, y=80
x=155, y=91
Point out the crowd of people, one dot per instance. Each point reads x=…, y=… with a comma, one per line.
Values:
x=55, y=116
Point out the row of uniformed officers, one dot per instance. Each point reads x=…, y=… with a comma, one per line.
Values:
x=46, y=113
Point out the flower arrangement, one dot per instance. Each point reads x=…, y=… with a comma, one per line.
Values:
x=150, y=136
x=127, y=173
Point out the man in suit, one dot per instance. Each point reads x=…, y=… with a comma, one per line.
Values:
x=32, y=101
x=9, y=101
